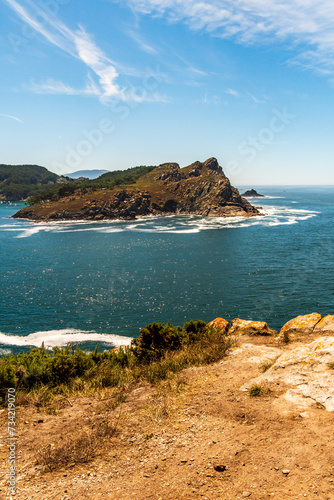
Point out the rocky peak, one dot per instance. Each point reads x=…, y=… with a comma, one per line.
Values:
x=213, y=164
x=197, y=168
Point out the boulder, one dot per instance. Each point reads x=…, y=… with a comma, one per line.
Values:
x=326, y=325
x=254, y=354
x=245, y=327
x=220, y=324
x=306, y=373
x=302, y=325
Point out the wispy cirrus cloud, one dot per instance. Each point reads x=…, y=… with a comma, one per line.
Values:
x=11, y=117
x=142, y=43
x=79, y=44
x=307, y=24
x=232, y=92
x=51, y=86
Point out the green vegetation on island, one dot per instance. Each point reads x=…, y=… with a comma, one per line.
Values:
x=109, y=180
x=37, y=184
x=18, y=182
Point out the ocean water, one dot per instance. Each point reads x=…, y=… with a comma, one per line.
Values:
x=89, y=282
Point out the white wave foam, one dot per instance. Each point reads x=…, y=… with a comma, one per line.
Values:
x=259, y=198
x=29, y=232
x=5, y=352
x=60, y=338
x=170, y=224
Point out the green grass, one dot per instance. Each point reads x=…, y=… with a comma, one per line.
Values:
x=161, y=350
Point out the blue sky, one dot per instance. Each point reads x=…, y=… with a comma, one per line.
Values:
x=114, y=84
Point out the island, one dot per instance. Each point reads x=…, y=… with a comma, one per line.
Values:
x=251, y=193
x=199, y=189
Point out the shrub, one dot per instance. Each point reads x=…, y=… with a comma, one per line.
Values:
x=195, y=330
x=155, y=340
x=256, y=391
x=7, y=379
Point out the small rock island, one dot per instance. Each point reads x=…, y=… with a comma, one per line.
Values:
x=198, y=189
x=251, y=193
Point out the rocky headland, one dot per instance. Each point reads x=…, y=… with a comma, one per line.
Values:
x=198, y=189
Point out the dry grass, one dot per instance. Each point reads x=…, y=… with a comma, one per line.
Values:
x=75, y=449
x=258, y=390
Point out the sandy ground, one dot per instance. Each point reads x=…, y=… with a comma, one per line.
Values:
x=198, y=437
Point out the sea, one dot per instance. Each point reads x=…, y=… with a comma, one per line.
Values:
x=92, y=283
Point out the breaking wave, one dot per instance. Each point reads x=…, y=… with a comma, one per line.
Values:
x=179, y=224
x=60, y=338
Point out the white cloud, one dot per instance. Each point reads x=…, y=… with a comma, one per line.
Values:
x=235, y=93
x=142, y=43
x=52, y=86
x=256, y=99
x=12, y=117
x=209, y=100
x=308, y=24
x=79, y=44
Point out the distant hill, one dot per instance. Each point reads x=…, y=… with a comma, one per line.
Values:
x=89, y=174
x=18, y=182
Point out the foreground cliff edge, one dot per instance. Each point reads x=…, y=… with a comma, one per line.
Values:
x=250, y=415
x=198, y=189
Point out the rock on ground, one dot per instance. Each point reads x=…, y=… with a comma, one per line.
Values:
x=302, y=325
x=245, y=327
x=306, y=371
x=258, y=354
x=220, y=324
x=326, y=325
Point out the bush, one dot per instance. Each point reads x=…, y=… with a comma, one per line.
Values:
x=155, y=340
x=7, y=379
x=195, y=330
x=161, y=350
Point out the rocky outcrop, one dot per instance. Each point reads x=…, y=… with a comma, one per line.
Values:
x=245, y=327
x=251, y=193
x=220, y=324
x=302, y=325
x=199, y=189
x=306, y=371
x=325, y=325
x=254, y=354
x=118, y=204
